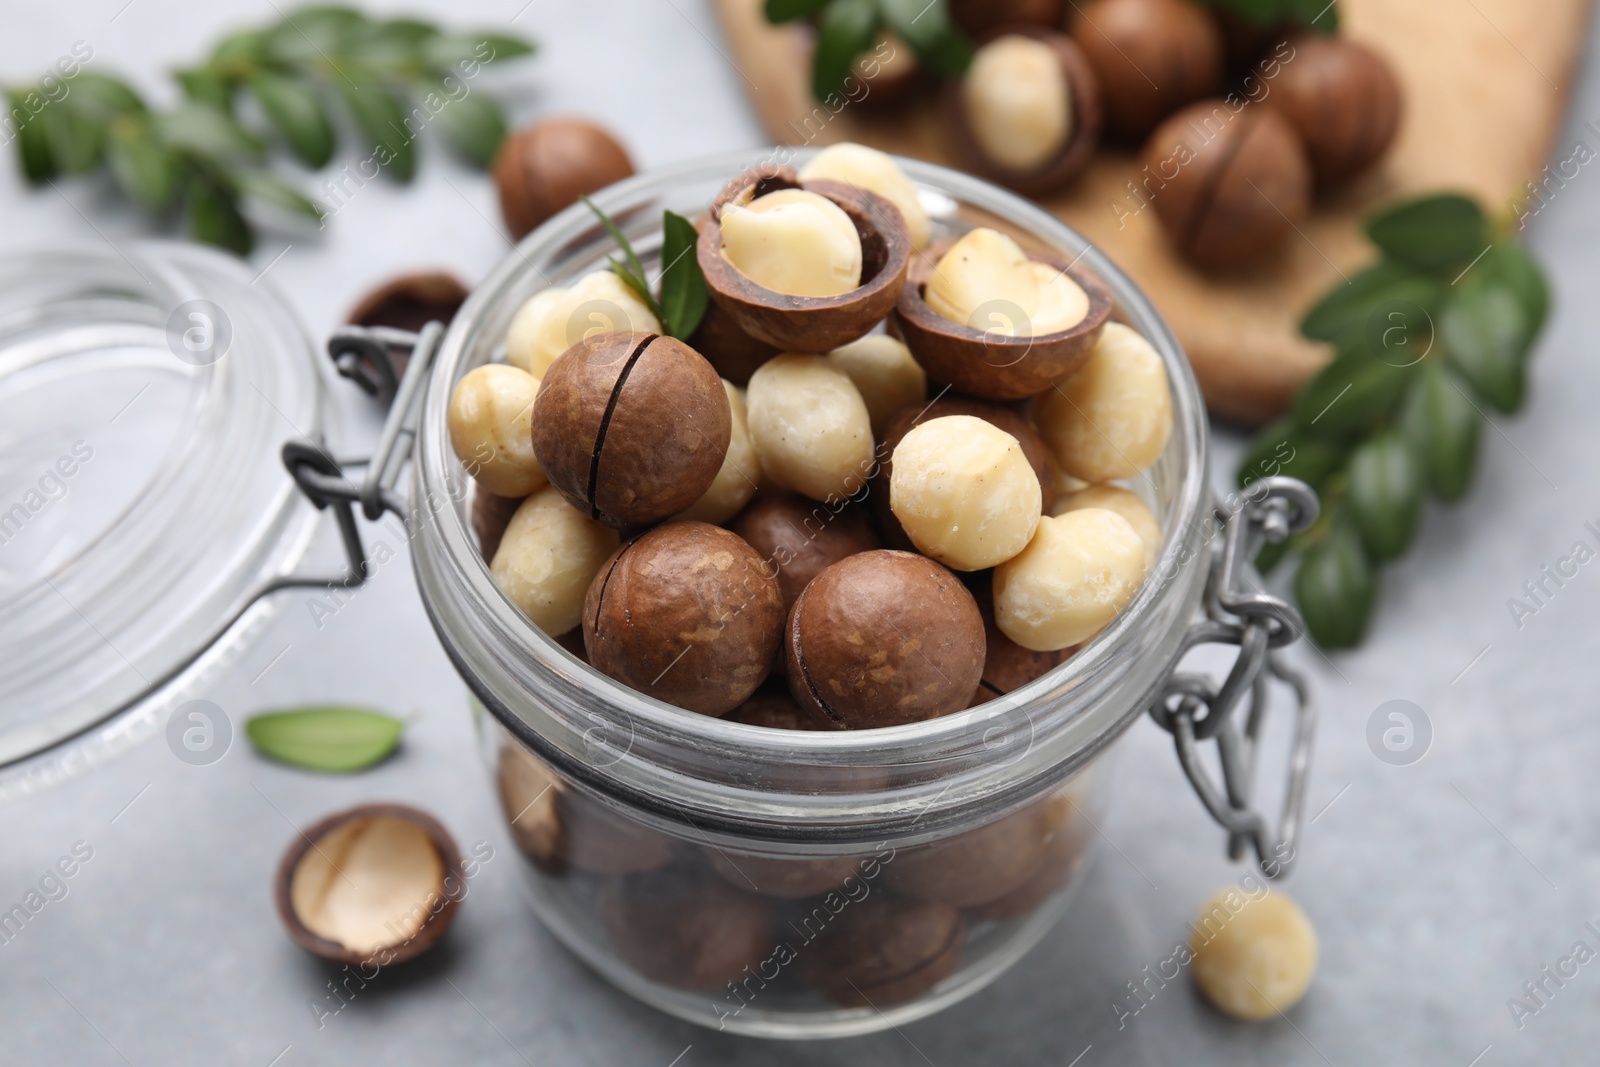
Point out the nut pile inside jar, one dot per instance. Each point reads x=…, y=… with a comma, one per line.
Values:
x=881, y=474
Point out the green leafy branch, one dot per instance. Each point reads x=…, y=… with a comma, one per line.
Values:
x=1438, y=329
x=391, y=76
x=847, y=28
x=683, y=299
x=1319, y=15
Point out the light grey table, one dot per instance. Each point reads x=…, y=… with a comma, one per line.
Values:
x=1438, y=888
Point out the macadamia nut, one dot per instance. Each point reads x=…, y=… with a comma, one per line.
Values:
x=491, y=429
x=1113, y=417
x=1079, y=570
x=740, y=475
x=987, y=281
x=793, y=242
x=884, y=373
x=965, y=492
x=1254, y=957
x=1124, y=503
x=876, y=172
x=1018, y=103
x=810, y=426
x=556, y=319
x=547, y=558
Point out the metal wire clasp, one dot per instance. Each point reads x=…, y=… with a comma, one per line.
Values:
x=1195, y=708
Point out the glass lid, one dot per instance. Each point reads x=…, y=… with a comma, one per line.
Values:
x=144, y=397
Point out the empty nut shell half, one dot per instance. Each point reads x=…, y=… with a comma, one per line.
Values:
x=806, y=323
x=992, y=365
x=1087, y=118
x=379, y=883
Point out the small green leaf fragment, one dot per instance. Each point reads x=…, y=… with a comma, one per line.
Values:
x=1485, y=336
x=206, y=131
x=847, y=30
x=631, y=271
x=1453, y=425
x=472, y=124
x=1432, y=233
x=296, y=111
x=1349, y=395
x=214, y=217
x=1336, y=588
x=206, y=87
x=778, y=11
x=1386, y=481
x=927, y=28
x=683, y=287
x=381, y=117
x=264, y=187
x=146, y=170
x=33, y=149
x=334, y=739
x=74, y=139
x=449, y=52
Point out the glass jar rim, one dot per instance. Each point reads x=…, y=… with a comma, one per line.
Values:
x=1073, y=700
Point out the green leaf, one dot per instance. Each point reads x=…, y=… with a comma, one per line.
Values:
x=1485, y=336
x=33, y=149
x=214, y=218
x=1510, y=266
x=332, y=739
x=398, y=45
x=847, y=30
x=74, y=139
x=309, y=34
x=683, y=286
x=1336, y=588
x=631, y=271
x=472, y=124
x=1320, y=15
x=205, y=130
x=238, y=54
x=296, y=111
x=1271, y=554
x=1432, y=233
x=263, y=187
x=449, y=50
x=779, y=11
x=1451, y=425
x=1385, y=498
x=381, y=117
x=1363, y=308
x=927, y=28
x=1350, y=395
x=206, y=87
x=103, y=97
x=146, y=170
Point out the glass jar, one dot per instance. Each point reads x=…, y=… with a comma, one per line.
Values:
x=792, y=883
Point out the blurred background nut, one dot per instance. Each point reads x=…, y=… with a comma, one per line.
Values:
x=1124, y=503
x=555, y=319
x=1078, y=572
x=632, y=428
x=740, y=474
x=793, y=242
x=979, y=865
x=774, y=709
x=491, y=429
x=883, y=638
x=1231, y=181
x=1343, y=100
x=549, y=553
x=1254, y=957
x=1070, y=835
x=687, y=928
x=411, y=301
x=877, y=172
x=528, y=793
x=800, y=538
x=687, y=613
x=884, y=373
x=784, y=877
x=1113, y=417
x=978, y=17
x=881, y=950
x=964, y=492
x=1151, y=56
x=599, y=839
x=810, y=426
x=547, y=166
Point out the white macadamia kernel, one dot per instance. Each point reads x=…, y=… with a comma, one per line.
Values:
x=965, y=492
x=1125, y=503
x=369, y=883
x=1112, y=418
x=740, y=475
x=1079, y=570
x=547, y=558
x=876, y=172
x=1254, y=956
x=793, y=242
x=1019, y=106
x=554, y=320
x=986, y=281
x=885, y=374
x=491, y=429
x=810, y=427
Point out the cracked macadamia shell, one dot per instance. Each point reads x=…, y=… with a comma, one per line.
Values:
x=884, y=638
x=1080, y=569
x=793, y=242
x=1113, y=417
x=876, y=172
x=546, y=558
x=491, y=429
x=964, y=492
x=1253, y=958
x=687, y=613
x=554, y=320
x=810, y=426
x=632, y=428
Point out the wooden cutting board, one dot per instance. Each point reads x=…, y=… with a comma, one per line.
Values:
x=1485, y=82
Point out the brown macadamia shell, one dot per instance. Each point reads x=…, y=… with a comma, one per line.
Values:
x=1151, y=56
x=687, y=928
x=545, y=167
x=1342, y=98
x=882, y=950
x=801, y=538
x=687, y=613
